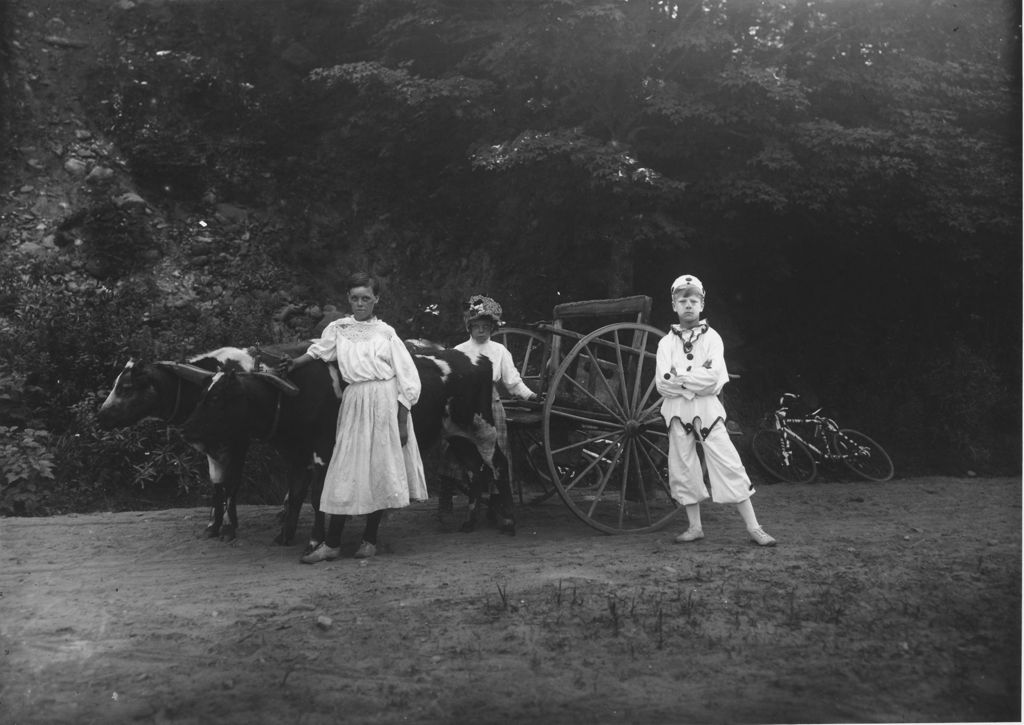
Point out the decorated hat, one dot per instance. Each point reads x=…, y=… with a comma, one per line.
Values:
x=482, y=308
x=688, y=280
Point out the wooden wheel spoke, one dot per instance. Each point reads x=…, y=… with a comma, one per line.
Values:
x=621, y=374
x=606, y=477
x=590, y=395
x=596, y=362
x=582, y=474
x=625, y=481
x=644, y=412
x=641, y=347
x=568, y=415
x=662, y=481
x=586, y=442
x=640, y=480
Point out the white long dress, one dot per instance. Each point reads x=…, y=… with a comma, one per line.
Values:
x=370, y=469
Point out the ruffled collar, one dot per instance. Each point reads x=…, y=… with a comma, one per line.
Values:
x=691, y=334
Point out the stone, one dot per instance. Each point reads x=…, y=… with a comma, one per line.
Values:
x=99, y=174
x=77, y=167
x=129, y=200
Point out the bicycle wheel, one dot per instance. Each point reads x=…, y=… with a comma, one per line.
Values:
x=783, y=456
x=863, y=456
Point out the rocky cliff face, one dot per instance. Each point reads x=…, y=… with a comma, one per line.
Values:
x=70, y=203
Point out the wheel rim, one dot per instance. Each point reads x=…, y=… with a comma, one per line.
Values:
x=864, y=456
x=530, y=352
x=783, y=457
x=605, y=439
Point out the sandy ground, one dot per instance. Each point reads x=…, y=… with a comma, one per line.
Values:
x=888, y=602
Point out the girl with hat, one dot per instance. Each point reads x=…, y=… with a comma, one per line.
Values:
x=482, y=317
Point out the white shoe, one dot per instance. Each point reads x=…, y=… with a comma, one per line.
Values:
x=689, y=535
x=321, y=553
x=760, y=537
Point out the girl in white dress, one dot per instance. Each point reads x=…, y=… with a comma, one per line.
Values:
x=376, y=463
x=483, y=318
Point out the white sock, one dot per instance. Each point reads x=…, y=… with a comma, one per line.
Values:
x=746, y=510
x=693, y=516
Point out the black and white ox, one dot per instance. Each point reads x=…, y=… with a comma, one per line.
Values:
x=454, y=402
x=296, y=417
x=170, y=391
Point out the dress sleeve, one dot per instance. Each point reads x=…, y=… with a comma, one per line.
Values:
x=509, y=376
x=405, y=372
x=326, y=347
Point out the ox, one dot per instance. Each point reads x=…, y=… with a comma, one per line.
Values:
x=454, y=403
x=170, y=391
x=297, y=418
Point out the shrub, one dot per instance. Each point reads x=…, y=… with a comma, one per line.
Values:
x=118, y=468
x=26, y=462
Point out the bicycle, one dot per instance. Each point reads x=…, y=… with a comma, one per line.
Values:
x=792, y=444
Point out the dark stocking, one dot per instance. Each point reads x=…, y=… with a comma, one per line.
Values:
x=335, y=525
x=372, y=524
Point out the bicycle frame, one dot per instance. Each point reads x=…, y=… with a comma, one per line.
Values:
x=819, y=436
x=818, y=440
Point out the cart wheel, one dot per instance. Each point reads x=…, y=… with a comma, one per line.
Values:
x=605, y=439
x=530, y=353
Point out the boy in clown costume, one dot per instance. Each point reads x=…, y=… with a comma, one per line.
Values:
x=691, y=372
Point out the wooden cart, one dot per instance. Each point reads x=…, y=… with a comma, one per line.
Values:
x=598, y=438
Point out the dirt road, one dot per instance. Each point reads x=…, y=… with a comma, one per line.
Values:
x=883, y=602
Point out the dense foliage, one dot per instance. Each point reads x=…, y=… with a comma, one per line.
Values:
x=844, y=176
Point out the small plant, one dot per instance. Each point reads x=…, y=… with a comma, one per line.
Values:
x=613, y=610
x=25, y=462
x=171, y=459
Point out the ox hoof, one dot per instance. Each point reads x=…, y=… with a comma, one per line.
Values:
x=507, y=526
x=227, y=534
x=212, y=532
x=283, y=540
x=468, y=527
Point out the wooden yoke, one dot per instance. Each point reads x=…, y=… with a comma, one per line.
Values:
x=637, y=307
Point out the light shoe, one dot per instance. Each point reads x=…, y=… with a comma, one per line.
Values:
x=366, y=550
x=760, y=537
x=689, y=535
x=321, y=553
